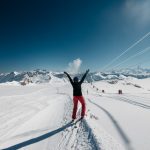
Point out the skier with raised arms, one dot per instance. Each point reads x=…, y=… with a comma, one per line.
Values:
x=77, y=94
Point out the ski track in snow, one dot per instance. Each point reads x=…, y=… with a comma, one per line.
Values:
x=141, y=99
x=142, y=102
x=132, y=102
x=118, y=127
x=131, y=99
x=66, y=136
x=79, y=138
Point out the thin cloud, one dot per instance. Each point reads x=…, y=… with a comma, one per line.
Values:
x=74, y=66
x=139, y=11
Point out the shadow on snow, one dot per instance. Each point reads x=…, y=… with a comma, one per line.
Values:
x=40, y=138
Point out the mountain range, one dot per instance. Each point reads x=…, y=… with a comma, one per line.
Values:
x=44, y=76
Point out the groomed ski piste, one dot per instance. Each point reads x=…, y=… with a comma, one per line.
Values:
x=38, y=117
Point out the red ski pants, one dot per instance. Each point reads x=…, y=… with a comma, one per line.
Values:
x=75, y=107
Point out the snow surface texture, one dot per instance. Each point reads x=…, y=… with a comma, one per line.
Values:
x=38, y=117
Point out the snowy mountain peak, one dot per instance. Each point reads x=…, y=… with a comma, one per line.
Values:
x=44, y=76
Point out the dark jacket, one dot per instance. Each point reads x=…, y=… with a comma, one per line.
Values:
x=77, y=85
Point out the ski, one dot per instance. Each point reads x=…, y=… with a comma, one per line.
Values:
x=75, y=122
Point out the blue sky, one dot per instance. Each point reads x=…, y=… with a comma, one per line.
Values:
x=50, y=34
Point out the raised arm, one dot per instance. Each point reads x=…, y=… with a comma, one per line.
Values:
x=87, y=71
x=69, y=77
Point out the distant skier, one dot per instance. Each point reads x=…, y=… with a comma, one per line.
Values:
x=77, y=94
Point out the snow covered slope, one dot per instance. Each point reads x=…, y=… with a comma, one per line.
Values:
x=40, y=119
x=125, y=116
x=38, y=116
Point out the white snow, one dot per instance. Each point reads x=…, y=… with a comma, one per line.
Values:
x=37, y=116
x=128, y=85
x=10, y=83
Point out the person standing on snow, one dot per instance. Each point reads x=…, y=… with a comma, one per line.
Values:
x=77, y=94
